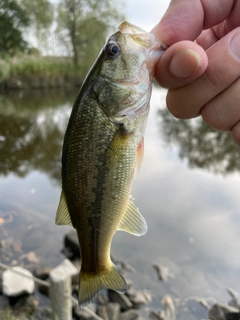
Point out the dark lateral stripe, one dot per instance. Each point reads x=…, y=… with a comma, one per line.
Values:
x=96, y=214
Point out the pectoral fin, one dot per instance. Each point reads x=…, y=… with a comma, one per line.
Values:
x=62, y=216
x=132, y=221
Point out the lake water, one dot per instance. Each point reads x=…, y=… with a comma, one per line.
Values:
x=187, y=189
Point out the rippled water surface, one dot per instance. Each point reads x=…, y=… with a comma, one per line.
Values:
x=187, y=189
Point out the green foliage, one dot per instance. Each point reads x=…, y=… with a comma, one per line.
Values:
x=19, y=17
x=4, y=70
x=40, y=14
x=34, y=51
x=12, y=20
x=83, y=26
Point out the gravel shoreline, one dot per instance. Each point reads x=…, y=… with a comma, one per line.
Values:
x=21, y=301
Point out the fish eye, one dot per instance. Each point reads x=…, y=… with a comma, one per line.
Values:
x=113, y=50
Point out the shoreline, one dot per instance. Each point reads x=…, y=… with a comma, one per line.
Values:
x=109, y=305
x=27, y=72
x=40, y=83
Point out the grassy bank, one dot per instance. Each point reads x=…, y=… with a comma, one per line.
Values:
x=35, y=72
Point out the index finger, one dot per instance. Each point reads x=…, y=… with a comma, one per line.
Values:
x=185, y=19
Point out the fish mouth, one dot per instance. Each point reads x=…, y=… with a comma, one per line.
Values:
x=140, y=36
x=129, y=28
x=137, y=34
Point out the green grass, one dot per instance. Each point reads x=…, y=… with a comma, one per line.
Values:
x=6, y=315
x=42, y=66
x=27, y=66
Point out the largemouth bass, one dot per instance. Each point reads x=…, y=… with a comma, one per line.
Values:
x=102, y=150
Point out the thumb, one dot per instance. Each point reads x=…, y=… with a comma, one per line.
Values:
x=181, y=63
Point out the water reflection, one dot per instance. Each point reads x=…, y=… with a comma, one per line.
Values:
x=202, y=146
x=192, y=215
x=31, y=132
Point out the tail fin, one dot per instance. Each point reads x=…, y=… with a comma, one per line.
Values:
x=90, y=285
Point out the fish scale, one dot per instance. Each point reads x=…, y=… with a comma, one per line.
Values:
x=102, y=150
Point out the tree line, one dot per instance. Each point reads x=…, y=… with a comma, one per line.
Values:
x=80, y=27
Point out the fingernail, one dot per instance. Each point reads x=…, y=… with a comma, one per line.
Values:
x=235, y=45
x=185, y=63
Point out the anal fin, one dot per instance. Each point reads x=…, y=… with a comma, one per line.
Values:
x=133, y=222
x=62, y=216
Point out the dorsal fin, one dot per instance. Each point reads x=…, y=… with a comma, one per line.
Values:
x=62, y=216
x=132, y=221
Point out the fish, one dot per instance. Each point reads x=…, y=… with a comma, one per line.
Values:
x=102, y=152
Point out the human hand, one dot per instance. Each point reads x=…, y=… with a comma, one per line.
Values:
x=201, y=67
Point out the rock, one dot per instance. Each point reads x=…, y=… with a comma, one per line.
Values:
x=63, y=270
x=4, y=303
x=6, y=243
x=61, y=289
x=130, y=292
x=43, y=313
x=71, y=243
x=87, y=313
x=234, y=298
x=202, y=302
x=109, y=311
x=220, y=311
x=169, y=308
x=26, y=305
x=43, y=289
x=75, y=278
x=17, y=281
x=102, y=298
x=129, y=283
x=162, y=272
x=124, y=267
x=130, y=315
x=157, y=315
x=42, y=272
x=29, y=257
x=92, y=307
x=121, y=299
x=139, y=298
x=168, y=313
x=82, y=314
